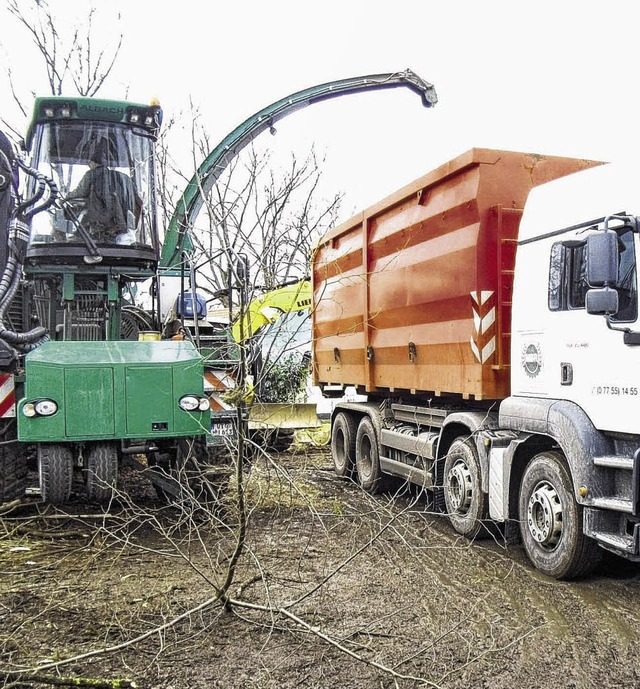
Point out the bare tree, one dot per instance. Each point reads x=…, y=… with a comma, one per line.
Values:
x=274, y=217
x=272, y=214
x=74, y=60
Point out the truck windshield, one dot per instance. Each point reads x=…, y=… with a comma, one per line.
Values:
x=105, y=175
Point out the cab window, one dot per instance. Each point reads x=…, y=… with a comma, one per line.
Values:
x=568, y=284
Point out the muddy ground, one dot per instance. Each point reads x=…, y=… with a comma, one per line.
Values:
x=347, y=591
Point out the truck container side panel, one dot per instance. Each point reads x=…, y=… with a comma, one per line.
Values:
x=402, y=227
x=414, y=289
x=436, y=334
x=425, y=304
x=342, y=255
x=509, y=220
x=347, y=309
x=340, y=306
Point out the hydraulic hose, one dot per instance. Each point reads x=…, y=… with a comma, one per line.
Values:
x=29, y=207
x=10, y=336
x=17, y=240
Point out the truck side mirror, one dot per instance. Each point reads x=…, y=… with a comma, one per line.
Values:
x=602, y=302
x=602, y=259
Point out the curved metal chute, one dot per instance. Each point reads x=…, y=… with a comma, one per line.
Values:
x=177, y=238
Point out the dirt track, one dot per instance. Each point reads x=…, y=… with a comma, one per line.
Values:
x=388, y=582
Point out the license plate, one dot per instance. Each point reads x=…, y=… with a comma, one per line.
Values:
x=223, y=428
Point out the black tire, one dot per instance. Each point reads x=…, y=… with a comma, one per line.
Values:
x=465, y=502
x=55, y=468
x=343, y=444
x=13, y=473
x=370, y=476
x=276, y=440
x=204, y=474
x=551, y=520
x=101, y=470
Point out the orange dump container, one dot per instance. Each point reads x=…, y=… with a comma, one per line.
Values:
x=414, y=294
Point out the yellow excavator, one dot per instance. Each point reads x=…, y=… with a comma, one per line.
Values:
x=269, y=307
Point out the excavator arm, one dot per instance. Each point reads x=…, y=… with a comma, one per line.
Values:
x=269, y=307
x=177, y=238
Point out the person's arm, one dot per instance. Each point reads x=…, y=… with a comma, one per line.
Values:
x=81, y=192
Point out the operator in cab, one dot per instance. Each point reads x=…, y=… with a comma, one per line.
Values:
x=105, y=203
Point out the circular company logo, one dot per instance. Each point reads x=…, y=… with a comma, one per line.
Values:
x=532, y=359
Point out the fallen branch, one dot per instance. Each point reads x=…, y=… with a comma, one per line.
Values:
x=12, y=674
x=69, y=681
x=336, y=644
x=38, y=533
x=8, y=506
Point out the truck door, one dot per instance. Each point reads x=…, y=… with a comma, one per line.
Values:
x=576, y=356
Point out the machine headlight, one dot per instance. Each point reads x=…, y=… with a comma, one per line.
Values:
x=193, y=403
x=46, y=407
x=189, y=403
x=43, y=407
x=29, y=409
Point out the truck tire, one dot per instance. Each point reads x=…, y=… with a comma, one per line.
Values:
x=343, y=444
x=55, y=468
x=551, y=520
x=101, y=470
x=370, y=476
x=13, y=473
x=464, y=499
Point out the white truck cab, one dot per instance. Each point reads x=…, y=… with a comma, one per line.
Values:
x=575, y=355
x=559, y=349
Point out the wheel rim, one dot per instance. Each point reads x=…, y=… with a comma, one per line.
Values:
x=544, y=515
x=460, y=487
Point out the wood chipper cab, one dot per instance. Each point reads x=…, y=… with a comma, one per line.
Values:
x=100, y=154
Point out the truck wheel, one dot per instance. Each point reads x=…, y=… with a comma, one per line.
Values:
x=343, y=444
x=101, y=470
x=465, y=502
x=551, y=520
x=370, y=476
x=55, y=468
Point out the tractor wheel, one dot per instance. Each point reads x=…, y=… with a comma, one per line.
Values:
x=370, y=476
x=465, y=502
x=55, y=468
x=551, y=520
x=101, y=470
x=276, y=440
x=204, y=475
x=343, y=444
x=13, y=473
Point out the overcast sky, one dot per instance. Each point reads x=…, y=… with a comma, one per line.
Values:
x=547, y=77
